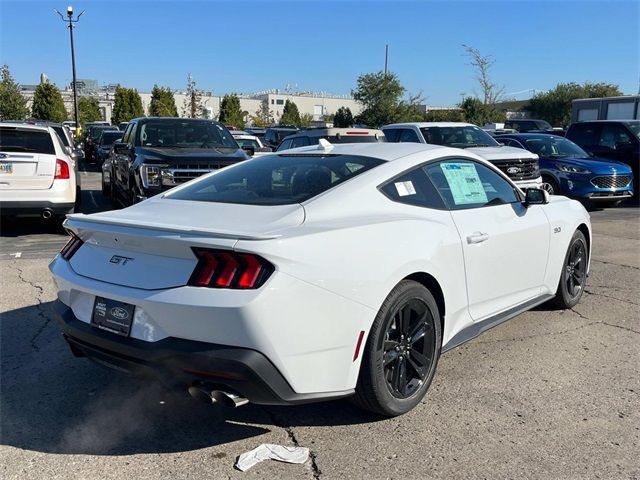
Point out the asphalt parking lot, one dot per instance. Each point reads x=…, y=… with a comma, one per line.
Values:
x=548, y=395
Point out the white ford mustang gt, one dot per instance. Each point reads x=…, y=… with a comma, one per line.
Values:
x=317, y=273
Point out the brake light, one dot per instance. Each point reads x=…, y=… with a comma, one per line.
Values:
x=357, y=132
x=71, y=247
x=62, y=170
x=226, y=269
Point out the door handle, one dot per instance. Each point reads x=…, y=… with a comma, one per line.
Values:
x=477, y=237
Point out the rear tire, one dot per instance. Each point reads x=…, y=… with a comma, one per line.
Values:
x=574, y=273
x=106, y=190
x=401, y=353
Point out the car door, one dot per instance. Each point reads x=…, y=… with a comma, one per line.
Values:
x=505, y=244
x=121, y=159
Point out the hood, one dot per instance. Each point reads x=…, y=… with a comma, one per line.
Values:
x=502, y=153
x=204, y=154
x=597, y=165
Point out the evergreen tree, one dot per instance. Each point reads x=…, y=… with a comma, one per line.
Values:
x=88, y=110
x=48, y=103
x=230, y=111
x=193, y=106
x=163, y=103
x=343, y=118
x=290, y=114
x=263, y=116
x=127, y=105
x=13, y=105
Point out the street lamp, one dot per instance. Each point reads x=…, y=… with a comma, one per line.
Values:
x=73, y=61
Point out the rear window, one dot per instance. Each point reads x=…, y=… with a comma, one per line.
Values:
x=349, y=139
x=277, y=179
x=108, y=138
x=23, y=140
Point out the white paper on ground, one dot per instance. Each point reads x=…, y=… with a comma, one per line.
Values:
x=273, y=451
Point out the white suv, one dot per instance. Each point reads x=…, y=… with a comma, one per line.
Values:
x=37, y=175
x=519, y=165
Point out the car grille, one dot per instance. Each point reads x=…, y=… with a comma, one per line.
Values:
x=183, y=172
x=518, y=168
x=611, y=181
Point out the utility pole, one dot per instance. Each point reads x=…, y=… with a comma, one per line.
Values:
x=73, y=62
x=386, y=57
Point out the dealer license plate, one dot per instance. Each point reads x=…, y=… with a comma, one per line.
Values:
x=6, y=167
x=112, y=316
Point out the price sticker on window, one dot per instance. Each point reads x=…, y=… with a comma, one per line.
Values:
x=464, y=182
x=405, y=188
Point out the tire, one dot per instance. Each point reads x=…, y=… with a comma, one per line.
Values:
x=106, y=190
x=607, y=204
x=552, y=186
x=382, y=388
x=574, y=273
x=78, y=202
x=113, y=194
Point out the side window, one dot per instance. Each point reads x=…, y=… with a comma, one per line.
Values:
x=510, y=142
x=467, y=184
x=132, y=134
x=614, y=136
x=392, y=134
x=127, y=133
x=299, y=142
x=413, y=188
x=285, y=145
x=408, y=135
x=582, y=134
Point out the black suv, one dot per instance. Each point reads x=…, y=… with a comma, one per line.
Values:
x=158, y=153
x=274, y=135
x=613, y=139
x=529, y=125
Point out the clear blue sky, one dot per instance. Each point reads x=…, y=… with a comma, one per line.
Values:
x=242, y=46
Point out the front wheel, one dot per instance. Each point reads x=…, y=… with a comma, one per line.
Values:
x=574, y=273
x=550, y=186
x=402, y=351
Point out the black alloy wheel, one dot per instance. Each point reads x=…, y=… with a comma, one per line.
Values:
x=401, y=353
x=408, y=348
x=573, y=277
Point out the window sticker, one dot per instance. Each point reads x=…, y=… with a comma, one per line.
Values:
x=405, y=188
x=464, y=182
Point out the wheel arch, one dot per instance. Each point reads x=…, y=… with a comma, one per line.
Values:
x=431, y=284
x=587, y=235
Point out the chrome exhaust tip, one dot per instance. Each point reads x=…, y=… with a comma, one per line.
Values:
x=226, y=399
x=47, y=214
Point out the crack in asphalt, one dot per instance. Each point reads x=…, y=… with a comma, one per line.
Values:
x=41, y=311
x=292, y=436
x=621, y=327
x=616, y=264
x=589, y=292
x=579, y=314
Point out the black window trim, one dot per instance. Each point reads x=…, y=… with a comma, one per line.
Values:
x=444, y=159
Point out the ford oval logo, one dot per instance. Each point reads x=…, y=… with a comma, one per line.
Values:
x=119, y=313
x=513, y=170
x=4, y=155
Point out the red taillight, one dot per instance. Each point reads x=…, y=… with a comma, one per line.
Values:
x=357, y=132
x=62, y=170
x=71, y=247
x=226, y=269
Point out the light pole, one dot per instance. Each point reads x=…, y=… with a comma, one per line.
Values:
x=73, y=62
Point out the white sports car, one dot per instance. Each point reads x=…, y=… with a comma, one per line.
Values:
x=317, y=273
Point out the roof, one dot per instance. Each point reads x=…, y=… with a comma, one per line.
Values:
x=25, y=126
x=383, y=151
x=430, y=124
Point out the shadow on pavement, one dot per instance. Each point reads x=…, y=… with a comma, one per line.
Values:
x=55, y=403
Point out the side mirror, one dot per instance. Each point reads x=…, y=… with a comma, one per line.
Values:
x=121, y=148
x=249, y=149
x=536, y=196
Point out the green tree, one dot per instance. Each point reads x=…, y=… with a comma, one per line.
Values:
x=305, y=120
x=13, y=105
x=127, y=105
x=343, y=118
x=193, y=106
x=88, y=110
x=163, y=103
x=554, y=106
x=290, y=114
x=230, y=111
x=491, y=92
x=263, y=116
x=480, y=113
x=453, y=115
x=381, y=96
x=48, y=103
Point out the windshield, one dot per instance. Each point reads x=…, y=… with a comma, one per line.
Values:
x=183, y=134
x=543, y=125
x=247, y=142
x=276, y=179
x=635, y=128
x=462, y=136
x=97, y=131
x=108, y=138
x=555, y=147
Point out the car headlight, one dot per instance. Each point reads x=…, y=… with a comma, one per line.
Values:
x=571, y=168
x=151, y=175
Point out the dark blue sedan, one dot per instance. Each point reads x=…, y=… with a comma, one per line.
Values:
x=568, y=170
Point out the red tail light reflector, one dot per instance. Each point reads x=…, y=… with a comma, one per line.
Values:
x=62, y=170
x=357, y=132
x=71, y=247
x=227, y=269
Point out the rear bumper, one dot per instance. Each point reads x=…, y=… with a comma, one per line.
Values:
x=34, y=207
x=180, y=363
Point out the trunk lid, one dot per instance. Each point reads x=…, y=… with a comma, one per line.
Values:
x=149, y=245
x=27, y=158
